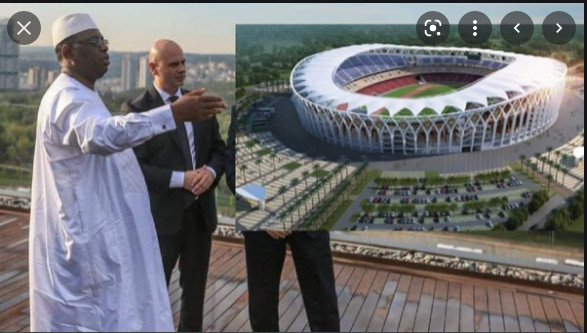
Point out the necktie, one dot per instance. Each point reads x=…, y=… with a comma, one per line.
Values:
x=183, y=137
x=187, y=150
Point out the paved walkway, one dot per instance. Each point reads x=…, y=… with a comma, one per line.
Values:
x=539, y=217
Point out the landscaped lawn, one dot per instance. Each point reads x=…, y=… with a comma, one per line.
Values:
x=291, y=166
x=263, y=152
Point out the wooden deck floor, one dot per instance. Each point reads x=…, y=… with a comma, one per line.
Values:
x=371, y=297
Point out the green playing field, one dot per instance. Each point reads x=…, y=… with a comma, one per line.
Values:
x=425, y=90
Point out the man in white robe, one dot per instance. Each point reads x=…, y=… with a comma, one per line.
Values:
x=94, y=258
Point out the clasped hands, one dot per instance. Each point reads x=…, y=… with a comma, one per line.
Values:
x=198, y=181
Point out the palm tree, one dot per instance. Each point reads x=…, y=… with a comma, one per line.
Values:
x=549, y=177
x=549, y=149
x=243, y=168
x=316, y=167
x=312, y=191
x=273, y=155
x=565, y=172
x=537, y=156
x=305, y=175
x=282, y=190
x=293, y=183
x=534, y=167
x=557, y=167
x=305, y=200
x=522, y=159
x=258, y=163
x=550, y=164
x=543, y=160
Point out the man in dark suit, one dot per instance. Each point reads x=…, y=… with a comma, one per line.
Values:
x=181, y=168
x=231, y=151
x=265, y=253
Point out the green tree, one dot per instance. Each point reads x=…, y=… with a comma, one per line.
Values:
x=305, y=175
x=281, y=191
x=293, y=183
x=522, y=160
x=549, y=149
x=243, y=168
x=258, y=163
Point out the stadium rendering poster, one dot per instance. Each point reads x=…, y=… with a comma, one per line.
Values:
x=426, y=100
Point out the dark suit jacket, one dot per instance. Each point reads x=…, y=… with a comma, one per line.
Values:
x=165, y=153
x=231, y=151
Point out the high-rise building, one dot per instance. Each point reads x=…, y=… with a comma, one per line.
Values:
x=52, y=75
x=145, y=76
x=8, y=59
x=37, y=77
x=129, y=73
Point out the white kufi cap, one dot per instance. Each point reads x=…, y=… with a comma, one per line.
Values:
x=69, y=25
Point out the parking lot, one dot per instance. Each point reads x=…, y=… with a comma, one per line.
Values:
x=470, y=206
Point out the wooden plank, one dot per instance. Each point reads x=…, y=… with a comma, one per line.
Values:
x=384, y=303
x=218, y=324
x=352, y=311
x=425, y=306
x=411, y=306
x=439, y=307
x=18, y=321
x=226, y=290
x=302, y=320
x=217, y=259
x=367, y=311
x=13, y=286
x=481, y=313
x=348, y=291
x=569, y=320
x=340, y=283
x=292, y=312
x=219, y=309
x=524, y=315
x=227, y=273
x=579, y=314
x=238, y=321
x=508, y=307
x=9, y=304
x=453, y=308
x=552, y=316
x=467, y=315
x=397, y=305
x=538, y=315
x=496, y=323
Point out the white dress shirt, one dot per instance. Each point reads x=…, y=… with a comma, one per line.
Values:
x=177, y=176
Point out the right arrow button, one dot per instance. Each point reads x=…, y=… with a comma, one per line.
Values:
x=559, y=28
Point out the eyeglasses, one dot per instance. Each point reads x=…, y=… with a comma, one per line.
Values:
x=96, y=42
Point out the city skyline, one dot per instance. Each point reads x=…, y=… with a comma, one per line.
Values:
x=210, y=28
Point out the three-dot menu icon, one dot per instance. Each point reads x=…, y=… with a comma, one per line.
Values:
x=475, y=28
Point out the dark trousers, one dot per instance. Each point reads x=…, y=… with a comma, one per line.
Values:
x=313, y=263
x=192, y=246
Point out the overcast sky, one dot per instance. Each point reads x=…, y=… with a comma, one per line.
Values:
x=209, y=28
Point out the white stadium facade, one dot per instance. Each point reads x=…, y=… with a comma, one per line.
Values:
x=501, y=98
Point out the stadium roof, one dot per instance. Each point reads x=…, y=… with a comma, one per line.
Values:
x=253, y=192
x=313, y=77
